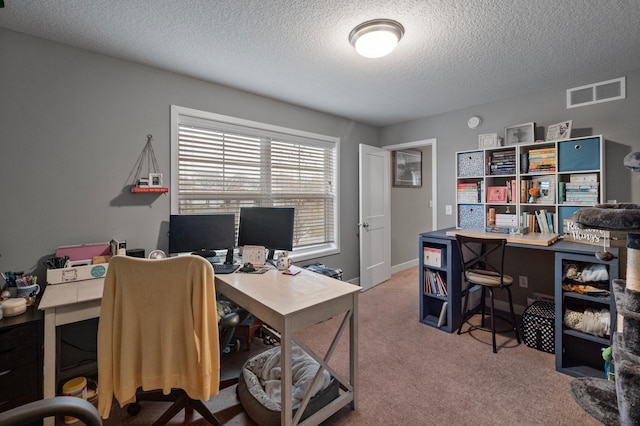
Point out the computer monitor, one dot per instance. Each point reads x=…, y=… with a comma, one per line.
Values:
x=202, y=234
x=271, y=227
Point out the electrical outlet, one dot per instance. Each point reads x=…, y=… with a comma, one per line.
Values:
x=524, y=281
x=448, y=209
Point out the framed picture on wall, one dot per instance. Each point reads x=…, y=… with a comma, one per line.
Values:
x=521, y=133
x=407, y=168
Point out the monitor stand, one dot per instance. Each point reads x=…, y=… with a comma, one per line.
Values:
x=270, y=257
x=229, y=259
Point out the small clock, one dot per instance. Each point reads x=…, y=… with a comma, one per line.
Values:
x=474, y=122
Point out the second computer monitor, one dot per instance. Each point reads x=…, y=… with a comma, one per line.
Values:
x=271, y=227
x=201, y=233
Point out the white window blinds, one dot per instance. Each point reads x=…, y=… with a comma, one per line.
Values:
x=222, y=166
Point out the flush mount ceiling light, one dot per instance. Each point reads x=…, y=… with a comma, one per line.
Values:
x=376, y=38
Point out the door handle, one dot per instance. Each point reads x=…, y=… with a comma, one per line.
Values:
x=364, y=225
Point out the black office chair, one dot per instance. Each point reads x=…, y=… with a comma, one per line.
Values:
x=483, y=265
x=145, y=339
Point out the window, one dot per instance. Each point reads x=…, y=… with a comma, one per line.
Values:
x=222, y=163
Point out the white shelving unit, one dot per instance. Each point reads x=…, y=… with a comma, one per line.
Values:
x=569, y=175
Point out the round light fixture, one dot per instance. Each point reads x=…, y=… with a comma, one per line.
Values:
x=376, y=38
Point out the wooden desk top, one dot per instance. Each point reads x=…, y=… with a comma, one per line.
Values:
x=284, y=294
x=535, y=239
x=56, y=295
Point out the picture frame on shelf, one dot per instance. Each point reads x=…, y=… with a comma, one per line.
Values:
x=559, y=131
x=407, y=168
x=546, y=189
x=520, y=133
x=497, y=194
x=489, y=140
x=155, y=180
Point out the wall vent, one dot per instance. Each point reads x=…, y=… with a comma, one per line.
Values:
x=596, y=93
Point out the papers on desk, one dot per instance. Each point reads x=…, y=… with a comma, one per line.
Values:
x=292, y=270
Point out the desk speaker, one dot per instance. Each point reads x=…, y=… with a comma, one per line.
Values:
x=136, y=253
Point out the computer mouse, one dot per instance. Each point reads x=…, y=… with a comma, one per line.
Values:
x=248, y=267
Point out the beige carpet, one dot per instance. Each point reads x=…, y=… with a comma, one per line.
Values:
x=412, y=374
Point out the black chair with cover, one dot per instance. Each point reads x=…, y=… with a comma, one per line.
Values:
x=56, y=406
x=483, y=265
x=159, y=336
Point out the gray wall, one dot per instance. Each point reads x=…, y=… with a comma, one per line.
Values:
x=72, y=125
x=617, y=121
x=411, y=215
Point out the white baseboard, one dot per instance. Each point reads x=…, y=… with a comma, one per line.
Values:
x=405, y=265
x=503, y=305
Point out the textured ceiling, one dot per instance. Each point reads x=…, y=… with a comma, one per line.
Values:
x=454, y=54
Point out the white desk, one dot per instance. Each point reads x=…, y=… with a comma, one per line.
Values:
x=287, y=303
x=64, y=304
x=291, y=303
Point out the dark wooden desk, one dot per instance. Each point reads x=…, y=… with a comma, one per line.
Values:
x=21, y=353
x=577, y=353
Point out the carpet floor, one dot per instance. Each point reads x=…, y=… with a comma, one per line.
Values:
x=413, y=374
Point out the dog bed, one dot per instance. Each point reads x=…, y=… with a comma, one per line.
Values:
x=259, y=385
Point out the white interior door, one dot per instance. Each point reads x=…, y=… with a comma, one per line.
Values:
x=375, y=215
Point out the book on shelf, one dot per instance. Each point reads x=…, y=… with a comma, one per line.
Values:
x=506, y=219
x=587, y=192
x=470, y=192
x=539, y=221
x=434, y=283
x=430, y=284
x=530, y=221
x=442, y=285
x=502, y=163
x=541, y=216
x=542, y=160
x=583, y=177
x=442, y=319
x=550, y=217
x=511, y=190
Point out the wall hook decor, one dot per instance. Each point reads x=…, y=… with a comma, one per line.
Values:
x=152, y=182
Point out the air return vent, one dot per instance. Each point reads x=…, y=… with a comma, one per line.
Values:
x=596, y=93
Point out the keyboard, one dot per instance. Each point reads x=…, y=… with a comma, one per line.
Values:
x=223, y=268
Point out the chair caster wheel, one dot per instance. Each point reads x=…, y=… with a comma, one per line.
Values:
x=134, y=408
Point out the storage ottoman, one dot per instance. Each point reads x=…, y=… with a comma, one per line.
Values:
x=538, y=326
x=321, y=268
